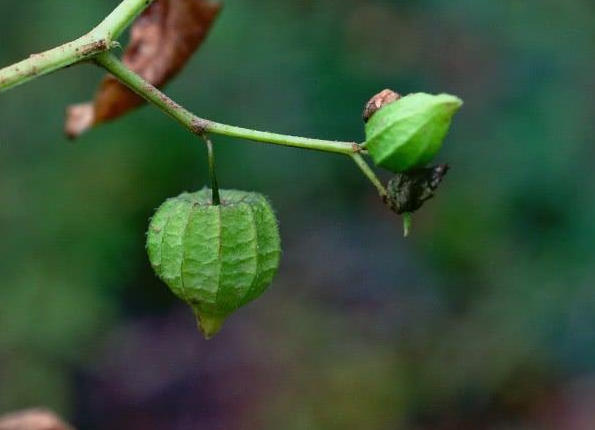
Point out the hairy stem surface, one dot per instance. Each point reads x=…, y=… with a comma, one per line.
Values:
x=100, y=39
x=49, y=61
x=116, y=22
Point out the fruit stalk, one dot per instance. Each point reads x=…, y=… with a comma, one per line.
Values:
x=100, y=39
x=212, y=172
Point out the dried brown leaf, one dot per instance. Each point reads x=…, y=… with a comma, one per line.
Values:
x=162, y=40
x=32, y=419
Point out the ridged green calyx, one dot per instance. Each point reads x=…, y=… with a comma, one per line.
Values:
x=408, y=133
x=215, y=257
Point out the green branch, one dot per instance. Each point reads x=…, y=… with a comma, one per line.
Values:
x=100, y=39
x=365, y=168
x=49, y=61
x=96, y=46
x=120, y=19
x=200, y=126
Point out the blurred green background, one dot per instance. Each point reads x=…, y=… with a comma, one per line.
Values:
x=483, y=319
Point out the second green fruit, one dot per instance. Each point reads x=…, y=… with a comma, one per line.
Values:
x=408, y=133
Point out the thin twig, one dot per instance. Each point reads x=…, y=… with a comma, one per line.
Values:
x=361, y=163
x=199, y=125
x=100, y=39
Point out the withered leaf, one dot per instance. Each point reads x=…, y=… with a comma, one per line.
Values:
x=32, y=419
x=408, y=191
x=162, y=40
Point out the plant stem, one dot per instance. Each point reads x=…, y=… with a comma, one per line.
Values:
x=212, y=172
x=116, y=22
x=49, y=61
x=100, y=39
x=97, y=44
x=200, y=126
x=361, y=163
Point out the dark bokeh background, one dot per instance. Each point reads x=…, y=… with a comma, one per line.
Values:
x=483, y=319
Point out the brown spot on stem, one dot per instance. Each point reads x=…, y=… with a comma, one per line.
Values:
x=199, y=126
x=94, y=48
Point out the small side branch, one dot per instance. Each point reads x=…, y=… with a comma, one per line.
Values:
x=200, y=126
x=120, y=19
x=100, y=39
x=49, y=61
x=365, y=168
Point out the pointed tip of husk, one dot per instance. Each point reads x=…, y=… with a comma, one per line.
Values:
x=454, y=102
x=209, y=325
